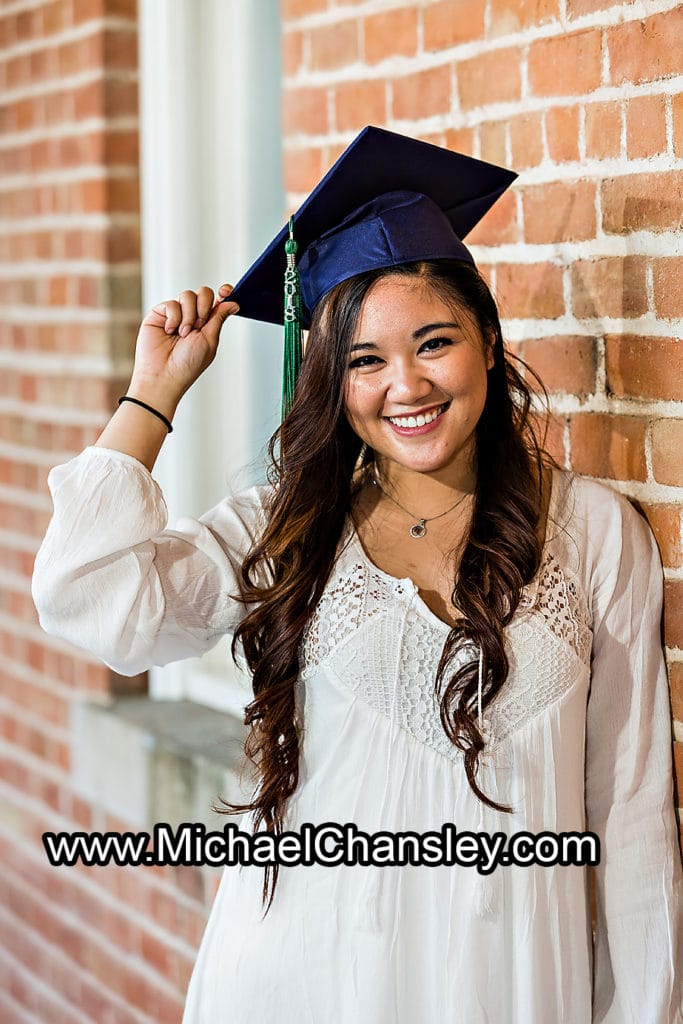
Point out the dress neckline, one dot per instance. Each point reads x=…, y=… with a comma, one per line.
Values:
x=403, y=582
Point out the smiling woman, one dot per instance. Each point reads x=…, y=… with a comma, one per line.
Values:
x=438, y=621
x=426, y=377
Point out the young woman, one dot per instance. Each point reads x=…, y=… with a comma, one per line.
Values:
x=443, y=628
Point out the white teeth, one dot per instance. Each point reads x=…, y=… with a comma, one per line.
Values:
x=415, y=421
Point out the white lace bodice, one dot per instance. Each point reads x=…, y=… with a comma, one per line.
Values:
x=381, y=640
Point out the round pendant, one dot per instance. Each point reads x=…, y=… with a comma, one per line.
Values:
x=419, y=529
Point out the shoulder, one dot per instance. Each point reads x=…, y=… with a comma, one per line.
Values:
x=596, y=511
x=606, y=531
x=242, y=515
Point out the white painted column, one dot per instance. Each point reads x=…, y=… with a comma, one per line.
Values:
x=211, y=199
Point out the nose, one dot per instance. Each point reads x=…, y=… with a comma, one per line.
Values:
x=408, y=383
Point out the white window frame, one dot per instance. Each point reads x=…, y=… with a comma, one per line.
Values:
x=211, y=198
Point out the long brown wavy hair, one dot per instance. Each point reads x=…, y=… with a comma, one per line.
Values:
x=317, y=465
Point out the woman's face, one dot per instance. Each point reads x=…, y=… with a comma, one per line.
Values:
x=414, y=355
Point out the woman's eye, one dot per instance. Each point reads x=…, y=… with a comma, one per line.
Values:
x=362, y=361
x=436, y=344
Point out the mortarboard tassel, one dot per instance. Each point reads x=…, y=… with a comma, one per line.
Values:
x=292, y=355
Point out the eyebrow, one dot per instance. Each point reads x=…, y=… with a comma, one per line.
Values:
x=419, y=333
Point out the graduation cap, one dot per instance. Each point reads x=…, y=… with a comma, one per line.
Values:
x=388, y=200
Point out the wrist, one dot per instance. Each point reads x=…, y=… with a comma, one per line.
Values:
x=153, y=394
x=149, y=409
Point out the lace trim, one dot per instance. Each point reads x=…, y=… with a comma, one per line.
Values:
x=548, y=641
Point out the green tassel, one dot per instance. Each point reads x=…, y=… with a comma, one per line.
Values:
x=292, y=356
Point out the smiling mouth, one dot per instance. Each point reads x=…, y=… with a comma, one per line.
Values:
x=420, y=420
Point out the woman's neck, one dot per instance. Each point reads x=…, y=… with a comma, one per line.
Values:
x=425, y=494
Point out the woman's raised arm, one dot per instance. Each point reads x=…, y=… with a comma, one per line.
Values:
x=109, y=576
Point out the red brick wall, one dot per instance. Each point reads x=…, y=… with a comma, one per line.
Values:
x=580, y=254
x=76, y=944
x=581, y=97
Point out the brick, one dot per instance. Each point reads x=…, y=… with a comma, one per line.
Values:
x=120, y=97
x=677, y=113
x=646, y=50
x=156, y=954
x=565, y=364
x=500, y=224
x=120, y=49
x=508, y=16
x=493, y=141
x=77, y=55
x=603, y=130
x=526, y=140
x=303, y=169
x=331, y=153
x=460, y=140
x=677, y=751
x=565, y=65
x=18, y=72
x=644, y=367
x=667, y=525
x=432, y=138
x=667, y=445
x=550, y=430
x=360, y=103
x=390, y=34
x=562, y=133
x=334, y=46
x=451, y=22
x=668, y=295
x=300, y=8
x=645, y=126
x=612, y=286
x=122, y=243
x=88, y=100
x=305, y=111
x=577, y=8
x=28, y=25
x=676, y=684
x=490, y=78
x=529, y=290
x=673, y=629
x=42, y=65
x=56, y=17
x=610, y=447
x=123, y=195
x=292, y=52
x=85, y=10
x=422, y=94
x=641, y=202
x=559, y=211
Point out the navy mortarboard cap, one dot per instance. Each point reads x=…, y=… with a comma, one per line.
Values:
x=388, y=200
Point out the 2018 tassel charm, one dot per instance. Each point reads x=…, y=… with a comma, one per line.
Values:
x=292, y=320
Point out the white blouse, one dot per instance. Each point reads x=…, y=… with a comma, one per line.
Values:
x=579, y=738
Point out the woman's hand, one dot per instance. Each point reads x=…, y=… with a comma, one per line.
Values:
x=178, y=340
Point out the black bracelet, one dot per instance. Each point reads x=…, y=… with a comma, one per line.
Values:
x=127, y=398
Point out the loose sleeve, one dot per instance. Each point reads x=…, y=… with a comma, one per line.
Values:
x=638, y=948
x=111, y=579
